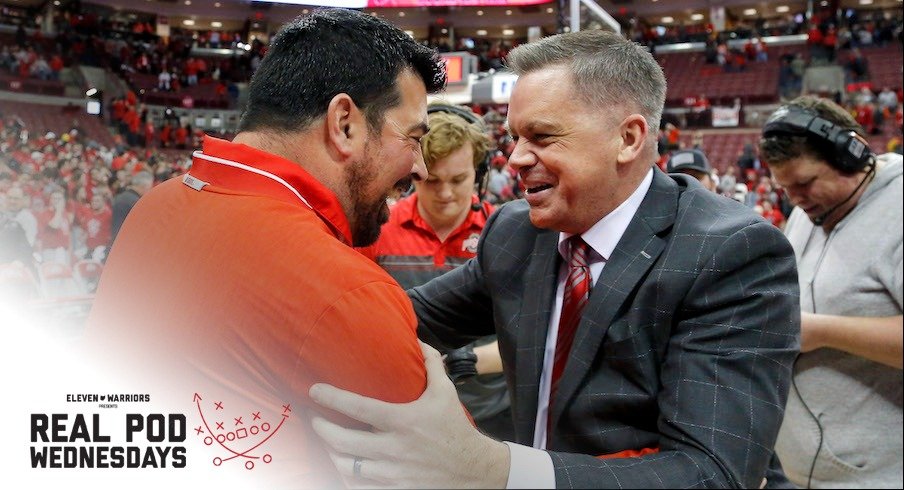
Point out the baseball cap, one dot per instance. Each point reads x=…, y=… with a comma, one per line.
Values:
x=688, y=160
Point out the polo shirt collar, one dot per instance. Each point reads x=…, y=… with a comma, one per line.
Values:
x=246, y=169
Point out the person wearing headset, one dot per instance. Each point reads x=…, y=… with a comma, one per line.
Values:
x=436, y=229
x=842, y=425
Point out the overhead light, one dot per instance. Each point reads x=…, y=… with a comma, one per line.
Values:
x=866, y=2
x=444, y=31
x=217, y=4
x=91, y=92
x=667, y=20
x=187, y=2
x=749, y=11
x=782, y=9
x=824, y=3
x=508, y=32
x=481, y=32
x=410, y=34
x=401, y=14
x=697, y=17
x=480, y=12
x=550, y=10
x=304, y=11
x=188, y=22
x=56, y=2
x=216, y=23
x=508, y=12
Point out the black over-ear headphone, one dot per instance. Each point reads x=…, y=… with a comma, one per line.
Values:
x=480, y=177
x=849, y=154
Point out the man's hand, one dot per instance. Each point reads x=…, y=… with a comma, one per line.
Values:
x=427, y=443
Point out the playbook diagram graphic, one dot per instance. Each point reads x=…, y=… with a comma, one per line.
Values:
x=242, y=436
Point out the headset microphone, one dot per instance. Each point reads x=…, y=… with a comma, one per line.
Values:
x=819, y=220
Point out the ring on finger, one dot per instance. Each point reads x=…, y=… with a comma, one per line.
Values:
x=356, y=467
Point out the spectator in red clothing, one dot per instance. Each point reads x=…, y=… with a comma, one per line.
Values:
x=149, y=134
x=132, y=124
x=750, y=49
x=97, y=222
x=815, y=42
x=56, y=65
x=201, y=65
x=701, y=103
x=181, y=137
x=673, y=136
x=165, y=135
x=772, y=214
x=866, y=117
x=829, y=42
x=55, y=230
x=191, y=72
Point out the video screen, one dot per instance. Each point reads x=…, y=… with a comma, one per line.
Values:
x=93, y=107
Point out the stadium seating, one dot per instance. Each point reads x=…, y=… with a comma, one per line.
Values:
x=884, y=65
x=41, y=118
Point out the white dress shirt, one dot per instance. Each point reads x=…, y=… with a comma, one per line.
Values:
x=532, y=467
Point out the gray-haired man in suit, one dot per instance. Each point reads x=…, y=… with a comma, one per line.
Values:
x=679, y=364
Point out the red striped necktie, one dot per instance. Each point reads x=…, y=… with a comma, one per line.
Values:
x=577, y=291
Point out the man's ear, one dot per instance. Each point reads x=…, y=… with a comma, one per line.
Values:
x=634, y=131
x=346, y=127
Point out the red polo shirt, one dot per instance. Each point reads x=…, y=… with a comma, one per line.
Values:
x=410, y=251
x=239, y=283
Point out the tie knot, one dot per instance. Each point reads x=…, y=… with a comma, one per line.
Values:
x=579, y=251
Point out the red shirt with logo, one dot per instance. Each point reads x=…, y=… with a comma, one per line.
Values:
x=410, y=251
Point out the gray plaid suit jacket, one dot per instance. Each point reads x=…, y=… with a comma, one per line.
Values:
x=686, y=344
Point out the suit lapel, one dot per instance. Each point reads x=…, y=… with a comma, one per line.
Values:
x=635, y=253
x=533, y=324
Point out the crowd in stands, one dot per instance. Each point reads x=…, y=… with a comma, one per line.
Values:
x=59, y=189
x=147, y=62
x=25, y=60
x=131, y=122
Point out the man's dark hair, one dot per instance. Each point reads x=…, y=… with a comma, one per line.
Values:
x=329, y=52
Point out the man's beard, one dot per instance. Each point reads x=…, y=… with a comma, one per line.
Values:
x=369, y=214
